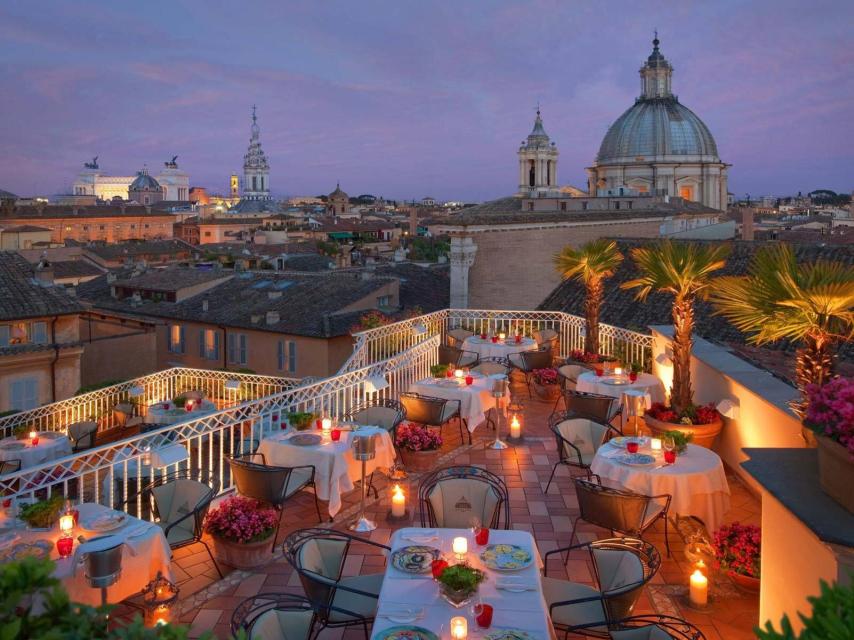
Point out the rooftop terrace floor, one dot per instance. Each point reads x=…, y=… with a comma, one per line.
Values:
x=207, y=603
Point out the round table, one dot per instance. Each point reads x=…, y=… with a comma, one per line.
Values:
x=648, y=384
x=52, y=445
x=501, y=349
x=168, y=413
x=696, y=480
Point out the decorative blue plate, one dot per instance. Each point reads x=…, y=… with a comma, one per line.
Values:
x=636, y=459
x=506, y=557
x=414, y=558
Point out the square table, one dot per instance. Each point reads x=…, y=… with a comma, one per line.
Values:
x=335, y=468
x=526, y=610
x=475, y=399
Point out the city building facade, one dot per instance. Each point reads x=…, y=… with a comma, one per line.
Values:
x=93, y=181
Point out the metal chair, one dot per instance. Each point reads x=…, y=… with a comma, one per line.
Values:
x=546, y=339
x=433, y=412
x=270, y=484
x=492, y=366
x=567, y=376
x=604, y=409
x=622, y=568
x=122, y=412
x=577, y=440
x=181, y=500
x=655, y=627
x=619, y=510
x=386, y=414
x=9, y=466
x=453, y=496
x=528, y=361
x=456, y=337
x=457, y=357
x=318, y=556
x=82, y=435
x=268, y=616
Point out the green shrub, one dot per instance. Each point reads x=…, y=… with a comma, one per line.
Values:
x=832, y=617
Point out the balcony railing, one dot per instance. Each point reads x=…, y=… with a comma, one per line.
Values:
x=385, y=341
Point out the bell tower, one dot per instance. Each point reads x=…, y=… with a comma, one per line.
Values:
x=256, y=170
x=537, y=161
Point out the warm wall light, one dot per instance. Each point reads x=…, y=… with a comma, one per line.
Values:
x=729, y=407
x=664, y=359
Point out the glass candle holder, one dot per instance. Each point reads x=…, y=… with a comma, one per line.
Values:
x=64, y=546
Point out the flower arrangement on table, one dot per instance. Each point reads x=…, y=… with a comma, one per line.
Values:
x=459, y=582
x=301, y=420
x=680, y=439
x=413, y=437
x=439, y=370
x=22, y=431
x=546, y=377
x=241, y=520
x=42, y=514
x=737, y=549
x=830, y=411
x=693, y=414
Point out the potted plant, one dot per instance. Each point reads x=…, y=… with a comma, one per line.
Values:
x=42, y=514
x=591, y=265
x=418, y=446
x=697, y=424
x=242, y=530
x=458, y=583
x=830, y=409
x=545, y=382
x=737, y=549
x=439, y=370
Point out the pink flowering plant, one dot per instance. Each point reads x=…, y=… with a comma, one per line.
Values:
x=577, y=355
x=737, y=548
x=546, y=376
x=242, y=520
x=830, y=411
x=413, y=437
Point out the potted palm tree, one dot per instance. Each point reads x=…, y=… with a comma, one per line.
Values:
x=684, y=270
x=591, y=265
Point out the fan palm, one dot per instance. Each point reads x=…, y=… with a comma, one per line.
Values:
x=812, y=304
x=590, y=265
x=683, y=270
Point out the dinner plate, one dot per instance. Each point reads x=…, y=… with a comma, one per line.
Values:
x=620, y=441
x=305, y=439
x=407, y=632
x=414, y=558
x=616, y=381
x=104, y=522
x=49, y=435
x=509, y=634
x=636, y=459
x=38, y=549
x=506, y=557
x=12, y=446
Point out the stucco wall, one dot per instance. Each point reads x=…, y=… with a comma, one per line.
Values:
x=116, y=351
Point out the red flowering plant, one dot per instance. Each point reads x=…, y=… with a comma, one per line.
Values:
x=577, y=355
x=414, y=437
x=242, y=520
x=830, y=411
x=693, y=414
x=737, y=548
x=546, y=376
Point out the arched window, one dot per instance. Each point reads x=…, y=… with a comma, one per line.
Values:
x=532, y=174
x=548, y=171
x=254, y=183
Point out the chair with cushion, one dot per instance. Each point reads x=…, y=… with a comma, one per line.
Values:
x=546, y=339
x=528, y=361
x=180, y=500
x=457, y=357
x=254, y=478
x=383, y=412
x=577, y=440
x=600, y=408
x=622, y=568
x=433, y=412
x=318, y=556
x=82, y=435
x=453, y=497
x=274, y=616
x=567, y=376
x=655, y=627
x=9, y=466
x=122, y=412
x=492, y=366
x=456, y=337
x=619, y=510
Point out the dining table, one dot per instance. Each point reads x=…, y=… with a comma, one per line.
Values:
x=168, y=413
x=475, y=399
x=409, y=597
x=486, y=348
x=145, y=552
x=335, y=468
x=696, y=480
x=616, y=386
x=51, y=446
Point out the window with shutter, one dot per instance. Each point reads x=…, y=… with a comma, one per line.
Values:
x=281, y=354
x=23, y=394
x=39, y=333
x=5, y=333
x=292, y=356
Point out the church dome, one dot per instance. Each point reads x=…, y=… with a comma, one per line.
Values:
x=657, y=127
x=338, y=193
x=144, y=182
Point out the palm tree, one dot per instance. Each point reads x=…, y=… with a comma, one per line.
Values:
x=810, y=303
x=684, y=270
x=591, y=265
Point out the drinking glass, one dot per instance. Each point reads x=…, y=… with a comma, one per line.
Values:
x=669, y=443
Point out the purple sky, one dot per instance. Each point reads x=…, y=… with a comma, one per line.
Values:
x=406, y=99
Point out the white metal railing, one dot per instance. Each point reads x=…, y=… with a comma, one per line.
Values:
x=375, y=344
x=98, y=405
x=112, y=473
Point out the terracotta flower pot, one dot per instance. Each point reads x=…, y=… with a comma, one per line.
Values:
x=419, y=461
x=835, y=471
x=243, y=555
x=703, y=434
x=748, y=583
x=546, y=391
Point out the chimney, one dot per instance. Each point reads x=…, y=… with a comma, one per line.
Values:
x=272, y=317
x=44, y=272
x=111, y=277
x=747, y=224
x=255, y=319
x=413, y=223
x=205, y=304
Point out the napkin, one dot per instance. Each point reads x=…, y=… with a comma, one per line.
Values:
x=515, y=584
x=8, y=538
x=401, y=613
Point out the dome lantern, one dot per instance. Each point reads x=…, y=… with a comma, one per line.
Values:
x=656, y=74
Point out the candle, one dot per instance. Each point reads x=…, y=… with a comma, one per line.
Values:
x=618, y=371
x=326, y=426
x=699, y=593
x=515, y=427
x=655, y=444
x=502, y=336
x=459, y=628
x=33, y=435
x=458, y=374
x=398, y=502
x=66, y=523
x=701, y=567
x=460, y=547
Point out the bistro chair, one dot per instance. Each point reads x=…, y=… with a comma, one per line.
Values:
x=492, y=366
x=619, y=510
x=456, y=337
x=600, y=408
x=433, y=412
x=382, y=412
x=453, y=497
x=546, y=339
x=318, y=556
x=9, y=466
x=529, y=361
x=82, y=435
x=622, y=568
x=457, y=357
x=181, y=500
x=122, y=412
x=577, y=440
x=271, y=485
x=274, y=616
x=655, y=627
x=567, y=377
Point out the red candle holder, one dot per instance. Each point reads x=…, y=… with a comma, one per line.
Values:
x=64, y=546
x=449, y=372
x=482, y=536
x=633, y=377
x=670, y=457
x=518, y=338
x=35, y=441
x=318, y=424
x=632, y=446
x=469, y=380
x=599, y=373
x=335, y=435
x=437, y=567
x=483, y=336
x=494, y=339
x=483, y=615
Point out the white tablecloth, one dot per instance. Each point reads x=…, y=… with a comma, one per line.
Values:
x=526, y=610
x=589, y=382
x=144, y=554
x=156, y=414
x=48, y=448
x=335, y=469
x=475, y=399
x=488, y=349
x=696, y=481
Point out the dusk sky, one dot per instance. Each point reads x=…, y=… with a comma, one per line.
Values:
x=407, y=99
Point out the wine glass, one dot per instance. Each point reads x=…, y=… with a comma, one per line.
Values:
x=474, y=526
x=669, y=443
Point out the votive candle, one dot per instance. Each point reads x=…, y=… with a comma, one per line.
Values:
x=515, y=427
x=460, y=547
x=66, y=523
x=502, y=336
x=398, y=502
x=326, y=426
x=655, y=444
x=459, y=628
x=699, y=589
x=458, y=374
x=618, y=371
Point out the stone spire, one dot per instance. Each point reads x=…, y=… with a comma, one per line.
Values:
x=256, y=170
x=656, y=74
x=537, y=160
